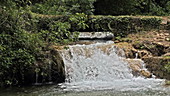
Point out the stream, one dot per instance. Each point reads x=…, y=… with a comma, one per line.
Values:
x=97, y=69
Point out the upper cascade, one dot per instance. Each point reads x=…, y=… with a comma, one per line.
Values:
x=103, y=66
x=101, y=61
x=96, y=35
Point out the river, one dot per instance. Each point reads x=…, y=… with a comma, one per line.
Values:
x=95, y=70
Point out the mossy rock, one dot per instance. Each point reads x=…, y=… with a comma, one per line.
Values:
x=156, y=65
x=167, y=82
x=157, y=49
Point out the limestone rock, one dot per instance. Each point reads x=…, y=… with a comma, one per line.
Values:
x=137, y=68
x=167, y=54
x=156, y=65
x=167, y=82
x=146, y=73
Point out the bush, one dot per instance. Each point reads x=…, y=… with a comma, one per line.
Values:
x=19, y=49
x=25, y=39
x=63, y=7
x=121, y=26
x=132, y=7
x=167, y=67
x=61, y=29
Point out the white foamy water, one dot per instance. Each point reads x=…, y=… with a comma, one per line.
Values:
x=92, y=35
x=101, y=66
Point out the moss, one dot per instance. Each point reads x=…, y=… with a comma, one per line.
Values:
x=167, y=82
x=123, y=25
x=167, y=57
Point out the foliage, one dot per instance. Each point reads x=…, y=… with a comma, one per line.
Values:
x=62, y=29
x=121, y=26
x=49, y=7
x=132, y=7
x=78, y=21
x=25, y=39
x=167, y=67
x=64, y=7
x=115, y=7
x=18, y=48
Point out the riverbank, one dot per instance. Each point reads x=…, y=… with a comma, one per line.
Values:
x=151, y=46
x=138, y=33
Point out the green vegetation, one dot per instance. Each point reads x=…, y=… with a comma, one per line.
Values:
x=25, y=39
x=132, y=7
x=18, y=47
x=167, y=66
x=63, y=7
x=123, y=25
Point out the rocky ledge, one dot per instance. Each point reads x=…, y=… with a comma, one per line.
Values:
x=153, y=47
x=156, y=65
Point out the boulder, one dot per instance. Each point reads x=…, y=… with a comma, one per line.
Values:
x=156, y=65
x=146, y=73
x=137, y=68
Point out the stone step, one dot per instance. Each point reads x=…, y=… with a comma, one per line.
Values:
x=95, y=35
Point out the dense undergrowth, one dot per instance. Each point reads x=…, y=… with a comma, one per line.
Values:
x=25, y=40
x=29, y=27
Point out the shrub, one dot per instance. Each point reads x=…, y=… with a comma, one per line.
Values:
x=123, y=25
x=18, y=48
x=63, y=7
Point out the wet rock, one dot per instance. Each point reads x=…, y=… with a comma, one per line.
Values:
x=146, y=73
x=167, y=39
x=134, y=64
x=137, y=68
x=156, y=65
x=167, y=54
x=166, y=34
x=167, y=82
x=58, y=68
x=131, y=52
x=156, y=48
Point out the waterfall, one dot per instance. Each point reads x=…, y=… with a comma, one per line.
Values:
x=99, y=66
x=95, y=35
x=94, y=62
x=49, y=77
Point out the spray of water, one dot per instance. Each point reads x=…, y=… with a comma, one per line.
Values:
x=101, y=66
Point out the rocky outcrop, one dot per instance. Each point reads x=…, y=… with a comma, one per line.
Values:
x=131, y=52
x=151, y=46
x=146, y=73
x=156, y=48
x=156, y=65
x=58, y=66
x=137, y=67
x=167, y=82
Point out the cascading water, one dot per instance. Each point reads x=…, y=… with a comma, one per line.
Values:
x=99, y=69
x=101, y=66
x=93, y=63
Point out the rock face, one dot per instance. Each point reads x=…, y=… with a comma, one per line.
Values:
x=138, y=68
x=50, y=70
x=146, y=73
x=58, y=66
x=156, y=65
x=131, y=52
x=156, y=48
x=95, y=35
x=151, y=46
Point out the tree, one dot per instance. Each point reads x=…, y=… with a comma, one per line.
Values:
x=115, y=7
x=64, y=7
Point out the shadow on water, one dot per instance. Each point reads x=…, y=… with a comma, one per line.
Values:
x=54, y=90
